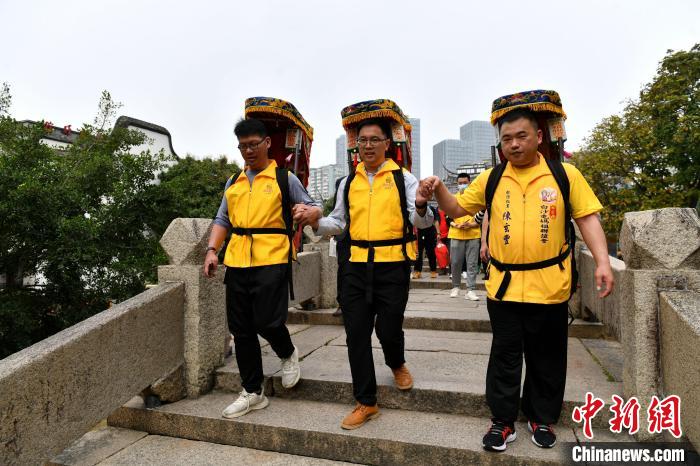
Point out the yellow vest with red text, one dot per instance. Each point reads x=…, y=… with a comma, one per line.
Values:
x=527, y=225
x=375, y=214
x=256, y=206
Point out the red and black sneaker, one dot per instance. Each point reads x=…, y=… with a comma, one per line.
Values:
x=498, y=437
x=542, y=434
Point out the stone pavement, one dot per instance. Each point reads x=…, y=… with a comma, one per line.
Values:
x=440, y=421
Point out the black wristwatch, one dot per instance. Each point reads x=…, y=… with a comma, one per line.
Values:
x=422, y=206
x=210, y=248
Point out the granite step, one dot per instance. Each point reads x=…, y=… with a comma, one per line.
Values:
x=312, y=429
x=441, y=282
x=449, y=371
x=433, y=309
x=114, y=446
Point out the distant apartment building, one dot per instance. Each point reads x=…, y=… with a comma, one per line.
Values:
x=473, y=147
x=341, y=155
x=448, y=155
x=321, y=185
x=479, y=136
x=415, y=146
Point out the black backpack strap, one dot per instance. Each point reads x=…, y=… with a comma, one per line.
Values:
x=559, y=174
x=282, y=176
x=346, y=197
x=407, y=229
x=490, y=191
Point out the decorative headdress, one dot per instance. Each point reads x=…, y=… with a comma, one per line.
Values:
x=549, y=111
x=291, y=135
x=380, y=109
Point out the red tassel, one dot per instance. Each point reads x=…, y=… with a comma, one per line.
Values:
x=399, y=158
x=354, y=160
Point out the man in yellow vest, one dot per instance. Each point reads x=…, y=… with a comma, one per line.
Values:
x=376, y=280
x=257, y=263
x=464, y=247
x=530, y=271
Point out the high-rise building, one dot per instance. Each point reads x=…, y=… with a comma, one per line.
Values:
x=448, y=155
x=322, y=182
x=479, y=136
x=341, y=155
x=415, y=146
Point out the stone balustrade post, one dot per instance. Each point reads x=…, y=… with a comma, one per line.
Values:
x=661, y=250
x=205, y=329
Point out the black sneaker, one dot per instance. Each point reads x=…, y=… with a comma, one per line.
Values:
x=542, y=434
x=498, y=437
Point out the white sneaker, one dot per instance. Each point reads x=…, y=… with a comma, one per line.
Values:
x=454, y=293
x=464, y=274
x=471, y=295
x=291, y=372
x=245, y=403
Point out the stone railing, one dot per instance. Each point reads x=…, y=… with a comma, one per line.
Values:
x=167, y=341
x=56, y=390
x=661, y=252
x=606, y=311
x=679, y=340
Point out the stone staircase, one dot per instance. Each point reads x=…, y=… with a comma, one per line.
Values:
x=440, y=421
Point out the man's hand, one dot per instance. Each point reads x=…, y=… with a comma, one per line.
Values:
x=427, y=187
x=307, y=215
x=484, y=252
x=604, y=276
x=211, y=262
x=422, y=195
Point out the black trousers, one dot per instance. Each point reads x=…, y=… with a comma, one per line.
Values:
x=256, y=304
x=385, y=315
x=427, y=239
x=540, y=332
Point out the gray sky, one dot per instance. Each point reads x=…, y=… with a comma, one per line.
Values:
x=189, y=66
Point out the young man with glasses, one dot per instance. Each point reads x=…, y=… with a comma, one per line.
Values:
x=376, y=280
x=257, y=263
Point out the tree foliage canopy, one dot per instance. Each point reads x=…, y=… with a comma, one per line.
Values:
x=86, y=219
x=648, y=157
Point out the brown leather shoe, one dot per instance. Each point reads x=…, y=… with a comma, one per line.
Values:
x=416, y=274
x=359, y=416
x=402, y=378
x=433, y=274
x=338, y=312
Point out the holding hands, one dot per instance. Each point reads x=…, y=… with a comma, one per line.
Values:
x=426, y=189
x=306, y=215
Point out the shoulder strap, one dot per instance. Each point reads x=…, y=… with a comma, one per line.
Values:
x=407, y=230
x=234, y=178
x=491, y=185
x=346, y=196
x=282, y=176
x=559, y=174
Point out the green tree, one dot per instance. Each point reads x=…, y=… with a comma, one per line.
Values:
x=191, y=188
x=78, y=217
x=648, y=157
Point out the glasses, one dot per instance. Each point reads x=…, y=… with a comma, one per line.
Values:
x=250, y=145
x=371, y=141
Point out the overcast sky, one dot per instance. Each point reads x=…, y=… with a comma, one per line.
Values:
x=189, y=66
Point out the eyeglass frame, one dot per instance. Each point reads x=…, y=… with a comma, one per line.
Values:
x=251, y=146
x=362, y=143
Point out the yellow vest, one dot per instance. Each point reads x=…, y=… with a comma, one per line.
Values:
x=527, y=225
x=375, y=214
x=469, y=233
x=256, y=206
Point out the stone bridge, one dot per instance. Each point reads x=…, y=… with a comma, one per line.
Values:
x=169, y=344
